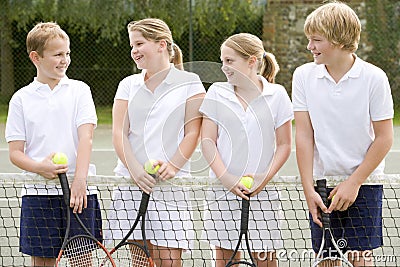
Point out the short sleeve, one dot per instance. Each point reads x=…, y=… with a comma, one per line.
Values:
x=86, y=107
x=285, y=108
x=123, y=89
x=196, y=87
x=298, y=91
x=381, y=100
x=209, y=105
x=15, y=126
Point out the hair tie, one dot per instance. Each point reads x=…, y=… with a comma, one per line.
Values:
x=173, y=49
x=265, y=54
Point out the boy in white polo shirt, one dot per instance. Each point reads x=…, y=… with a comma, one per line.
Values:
x=53, y=113
x=343, y=112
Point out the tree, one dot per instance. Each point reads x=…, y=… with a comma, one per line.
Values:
x=6, y=60
x=82, y=16
x=383, y=22
x=107, y=20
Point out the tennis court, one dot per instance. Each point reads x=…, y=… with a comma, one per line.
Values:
x=105, y=159
x=295, y=229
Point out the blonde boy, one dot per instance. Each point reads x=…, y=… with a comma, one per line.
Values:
x=53, y=113
x=343, y=111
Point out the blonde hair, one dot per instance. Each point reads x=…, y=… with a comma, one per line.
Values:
x=337, y=22
x=41, y=34
x=247, y=45
x=156, y=30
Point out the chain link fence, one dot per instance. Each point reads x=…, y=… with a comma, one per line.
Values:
x=103, y=62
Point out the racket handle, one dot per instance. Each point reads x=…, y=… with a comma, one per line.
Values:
x=244, y=221
x=144, y=203
x=321, y=189
x=65, y=187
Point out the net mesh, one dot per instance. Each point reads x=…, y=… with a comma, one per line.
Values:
x=193, y=194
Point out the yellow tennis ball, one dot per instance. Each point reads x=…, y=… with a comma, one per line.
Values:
x=247, y=181
x=60, y=158
x=333, y=197
x=149, y=166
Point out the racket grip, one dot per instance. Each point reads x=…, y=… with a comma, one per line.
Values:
x=65, y=187
x=144, y=203
x=244, y=221
x=322, y=191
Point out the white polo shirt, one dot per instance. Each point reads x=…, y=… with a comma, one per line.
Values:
x=157, y=119
x=48, y=120
x=246, y=138
x=342, y=113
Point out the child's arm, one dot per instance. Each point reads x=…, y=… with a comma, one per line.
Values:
x=78, y=199
x=283, y=137
x=190, y=140
x=346, y=192
x=209, y=131
x=45, y=168
x=304, y=155
x=123, y=147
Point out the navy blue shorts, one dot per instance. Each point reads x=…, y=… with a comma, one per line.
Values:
x=359, y=228
x=43, y=224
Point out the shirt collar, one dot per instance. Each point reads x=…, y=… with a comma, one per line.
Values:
x=172, y=76
x=267, y=88
x=36, y=85
x=228, y=91
x=354, y=71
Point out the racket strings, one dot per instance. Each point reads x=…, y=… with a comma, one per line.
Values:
x=131, y=255
x=139, y=257
x=82, y=252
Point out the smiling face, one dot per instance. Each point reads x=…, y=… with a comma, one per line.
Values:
x=144, y=52
x=235, y=67
x=324, y=52
x=53, y=64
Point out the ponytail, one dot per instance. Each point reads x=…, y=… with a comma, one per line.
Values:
x=270, y=67
x=177, y=57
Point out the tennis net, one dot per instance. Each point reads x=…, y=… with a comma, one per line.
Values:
x=194, y=195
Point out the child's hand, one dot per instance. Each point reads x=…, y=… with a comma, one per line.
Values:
x=345, y=194
x=315, y=206
x=233, y=184
x=166, y=170
x=50, y=170
x=259, y=183
x=145, y=181
x=240, y=190
x=78, y=200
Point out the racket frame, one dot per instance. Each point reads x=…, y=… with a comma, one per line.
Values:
x=66, y=196
x=244, y=227
x=141, y=216
x=244, y=221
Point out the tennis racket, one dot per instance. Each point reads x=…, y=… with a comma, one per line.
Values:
x=341, y=259
x=81, y=250
x=130, y=253
x=244, y=225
